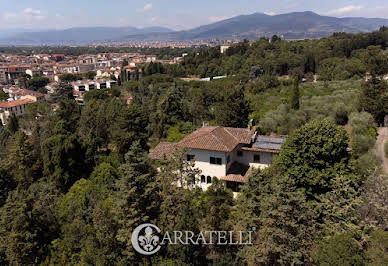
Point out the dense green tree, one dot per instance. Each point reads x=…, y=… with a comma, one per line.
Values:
x=169, y=111
x=177, y=207
x=136, y=200
x=7, y=182
x=21, y=152
x=90, y=75
x=37, y=83
x=106, y=175
x=314, y=155
x=87, y=227
x=3, y=96
x=284, y=235
x=69, y=77
x=340, y=249
x=376, y=252
x=215, y=208
x=28, y=224
x=295, y=96
x=68, y=114
x=233, y=110
x=372, y=98
x=13, y=124
x=63, y=159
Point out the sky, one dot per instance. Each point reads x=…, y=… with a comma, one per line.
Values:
x=175, y=14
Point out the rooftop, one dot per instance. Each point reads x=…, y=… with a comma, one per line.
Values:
x=14, y=103
x=161, y=150
x=224, y=139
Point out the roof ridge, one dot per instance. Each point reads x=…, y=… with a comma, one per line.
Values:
x=220, y=140
x=226, y=129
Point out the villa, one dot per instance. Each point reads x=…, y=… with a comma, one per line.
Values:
x=229, y=154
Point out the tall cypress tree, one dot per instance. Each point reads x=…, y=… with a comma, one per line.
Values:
x=295, y=102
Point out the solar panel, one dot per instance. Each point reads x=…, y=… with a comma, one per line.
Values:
x=269, y=143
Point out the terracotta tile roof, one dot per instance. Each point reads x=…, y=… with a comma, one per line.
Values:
x=216, y=138
x=14, y=103
x=235, y=178
x=238, y=173
x=162, y=149
x=24, y=92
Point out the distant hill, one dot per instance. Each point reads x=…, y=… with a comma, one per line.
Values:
x=77, y=35
x=296, y=25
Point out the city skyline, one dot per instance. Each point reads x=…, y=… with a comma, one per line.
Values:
x=177, y=15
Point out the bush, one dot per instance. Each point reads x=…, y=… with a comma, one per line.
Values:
x=361, y=144
x=362, y=123
x=339, y=250
x=386, y=149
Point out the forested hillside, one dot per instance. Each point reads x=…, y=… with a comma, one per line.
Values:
x=73, y=189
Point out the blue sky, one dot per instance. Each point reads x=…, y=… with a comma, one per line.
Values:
x=176, y=14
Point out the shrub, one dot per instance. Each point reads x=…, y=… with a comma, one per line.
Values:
x=339, y=250
x=386, y=149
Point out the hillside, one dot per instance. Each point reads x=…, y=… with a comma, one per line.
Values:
x=297, y=25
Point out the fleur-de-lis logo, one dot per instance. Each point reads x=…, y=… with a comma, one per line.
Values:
x=146, y=244
x=148, y=241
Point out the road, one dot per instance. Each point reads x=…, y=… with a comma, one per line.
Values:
x=381, y=138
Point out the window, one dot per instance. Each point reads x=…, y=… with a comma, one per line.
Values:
x=256, y=158
x=239, y=153
x=209, y=179
x=190, y=157
x=228, y=159
x=214, y=160
x=203, y=179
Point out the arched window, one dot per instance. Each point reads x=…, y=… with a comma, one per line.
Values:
x=209, y=179
x=203, y=179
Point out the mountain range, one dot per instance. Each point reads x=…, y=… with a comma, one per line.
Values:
x=296, y=25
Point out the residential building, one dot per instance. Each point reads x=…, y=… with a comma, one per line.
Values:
x=23, y=94
x=84, y=85
x=34, y=72
x=17, y=108
x=229, y=154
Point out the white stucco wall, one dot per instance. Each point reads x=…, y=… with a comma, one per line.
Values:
x=202, y=162
x=248, y=159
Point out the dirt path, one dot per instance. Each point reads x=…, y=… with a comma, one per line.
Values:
x=383, y=135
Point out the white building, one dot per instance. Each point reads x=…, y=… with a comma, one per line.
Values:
x=228, y=154
x=223, y=48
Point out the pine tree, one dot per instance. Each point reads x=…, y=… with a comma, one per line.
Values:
x=13, y=124
x=284, y=235
x=136, y=200
x=178, y=206
x=22, y=153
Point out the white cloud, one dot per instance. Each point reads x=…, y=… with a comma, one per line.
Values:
x=270, y=13
x=147, y=7
x=345, y=10
x=27, y=14
x=360, y=11
x=154, y=19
